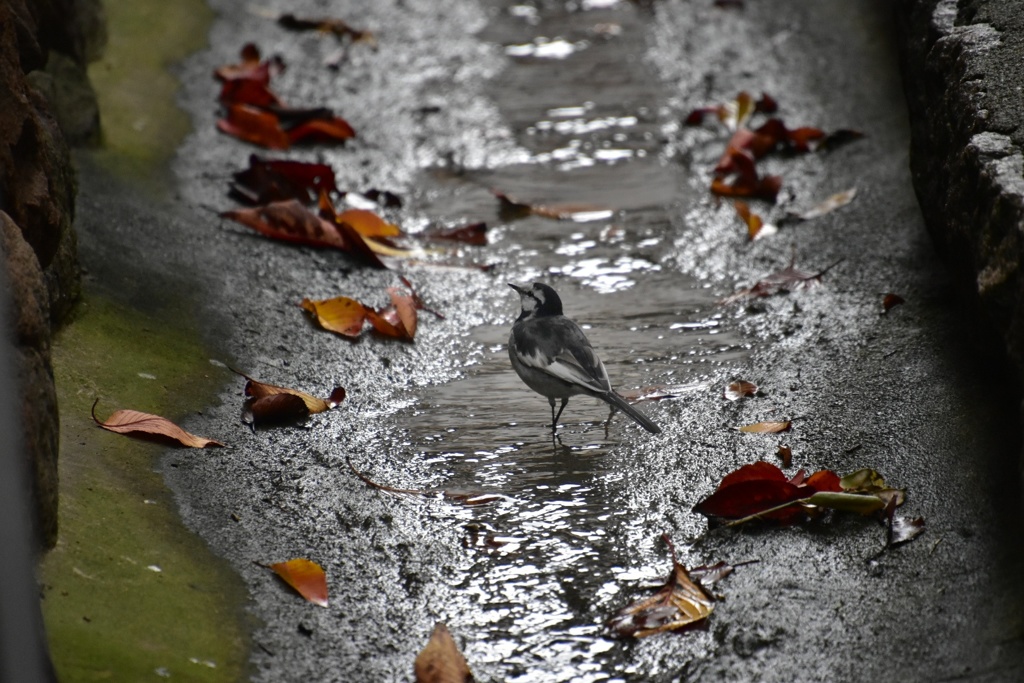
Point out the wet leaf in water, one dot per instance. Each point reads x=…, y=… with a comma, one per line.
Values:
x=767, y=427
x=734, y=391
x=473, y=233
x=441, y=661
x=306, y=577
x=152, y=428
x=273, y=180
x=559, y=211
x=827, y=206
x=890, y=300
x=679, y=603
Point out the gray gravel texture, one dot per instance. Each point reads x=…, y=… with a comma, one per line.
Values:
x=907, y=393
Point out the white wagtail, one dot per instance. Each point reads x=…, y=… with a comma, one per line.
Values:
x=552, y=355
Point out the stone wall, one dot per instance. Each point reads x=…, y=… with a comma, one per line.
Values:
x=37, y=195
x=963, y=71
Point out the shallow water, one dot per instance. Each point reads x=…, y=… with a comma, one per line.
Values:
x=548, y=559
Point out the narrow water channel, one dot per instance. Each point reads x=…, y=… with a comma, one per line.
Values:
x=546, y=564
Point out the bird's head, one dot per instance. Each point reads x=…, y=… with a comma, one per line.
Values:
x=538, y=300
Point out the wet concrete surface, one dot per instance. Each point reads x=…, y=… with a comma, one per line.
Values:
x=582, y=102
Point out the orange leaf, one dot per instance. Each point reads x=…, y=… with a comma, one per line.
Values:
x=341, y=315
x=767, y=427
x=254, y=125
x=153, y=427
x=334, y=129
x=306, y=577
x=387, y=323
x=367, y=223
x=890, y=300
x=440, y=661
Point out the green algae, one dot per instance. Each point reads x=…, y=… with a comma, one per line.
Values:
x=128, y=593
x=140, y=122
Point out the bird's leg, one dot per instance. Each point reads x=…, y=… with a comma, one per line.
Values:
x=554, y=423
x=554, y=420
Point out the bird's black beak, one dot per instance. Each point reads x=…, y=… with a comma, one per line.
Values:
x=521, y=290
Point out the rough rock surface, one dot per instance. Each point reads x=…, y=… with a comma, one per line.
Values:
x=37, y=195
x=963, y=68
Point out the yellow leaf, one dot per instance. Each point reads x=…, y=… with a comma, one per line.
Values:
x=341, y=315
x=767, y=427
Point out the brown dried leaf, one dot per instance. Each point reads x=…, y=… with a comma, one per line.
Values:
x=560, y=211
x=440, y=661
x=680, y=602
x=306, y=577
x=767, y=427
x=785, y=280
x=829, y=205
x=151, y=427
x=734, y=391
x=256, y=390
x=785, y=453
x=290, y=221
x=890, y=300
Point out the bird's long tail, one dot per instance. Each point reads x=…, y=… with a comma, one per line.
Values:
x=616, y=401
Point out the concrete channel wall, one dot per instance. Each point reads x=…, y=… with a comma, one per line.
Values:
x=963, y=71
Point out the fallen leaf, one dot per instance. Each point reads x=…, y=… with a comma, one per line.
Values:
x=273, y=180
x=734, y=391
x=405, y=305
x=254, y=125
x=767, y=427
x=289, y=221
x=756, y=227
x=473, y=233
x=560, y=211
x=251, y=68
x=904, y=529
x=762, y=490
x=341, y=315
x=890, y=300
x=151, y=427
x=679, y=603
x=829, y=205
x=327, y=129
x=339, y=28
x=256, y=390
x=785, y=454
x=306, y=577
x=785, y=280
x=440, y=661
x=276, y=409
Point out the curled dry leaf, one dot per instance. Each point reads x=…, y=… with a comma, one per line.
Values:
x=734, y=391
x=767, y=427
x=440, y=661
x=151, y=427
x=785, y=454
x=269, y=403
x=345, y=316
x=679, y=603
x=341, y=315
x=256, y=390
x=306, y=577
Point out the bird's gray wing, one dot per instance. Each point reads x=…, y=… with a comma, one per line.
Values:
x=559, y=348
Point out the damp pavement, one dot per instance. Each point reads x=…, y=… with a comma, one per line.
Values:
x=583, y=102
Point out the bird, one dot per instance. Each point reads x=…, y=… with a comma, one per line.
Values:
x=553, y=357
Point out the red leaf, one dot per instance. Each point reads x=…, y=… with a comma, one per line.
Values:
x=290, y=221
x=334, y=129
x=271, y=180
x=254, y=125
x=751, y=497
x=891, y=300
x=760, y=471
x=825, y=480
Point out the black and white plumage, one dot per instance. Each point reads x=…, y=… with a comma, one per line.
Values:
x=552, y=355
